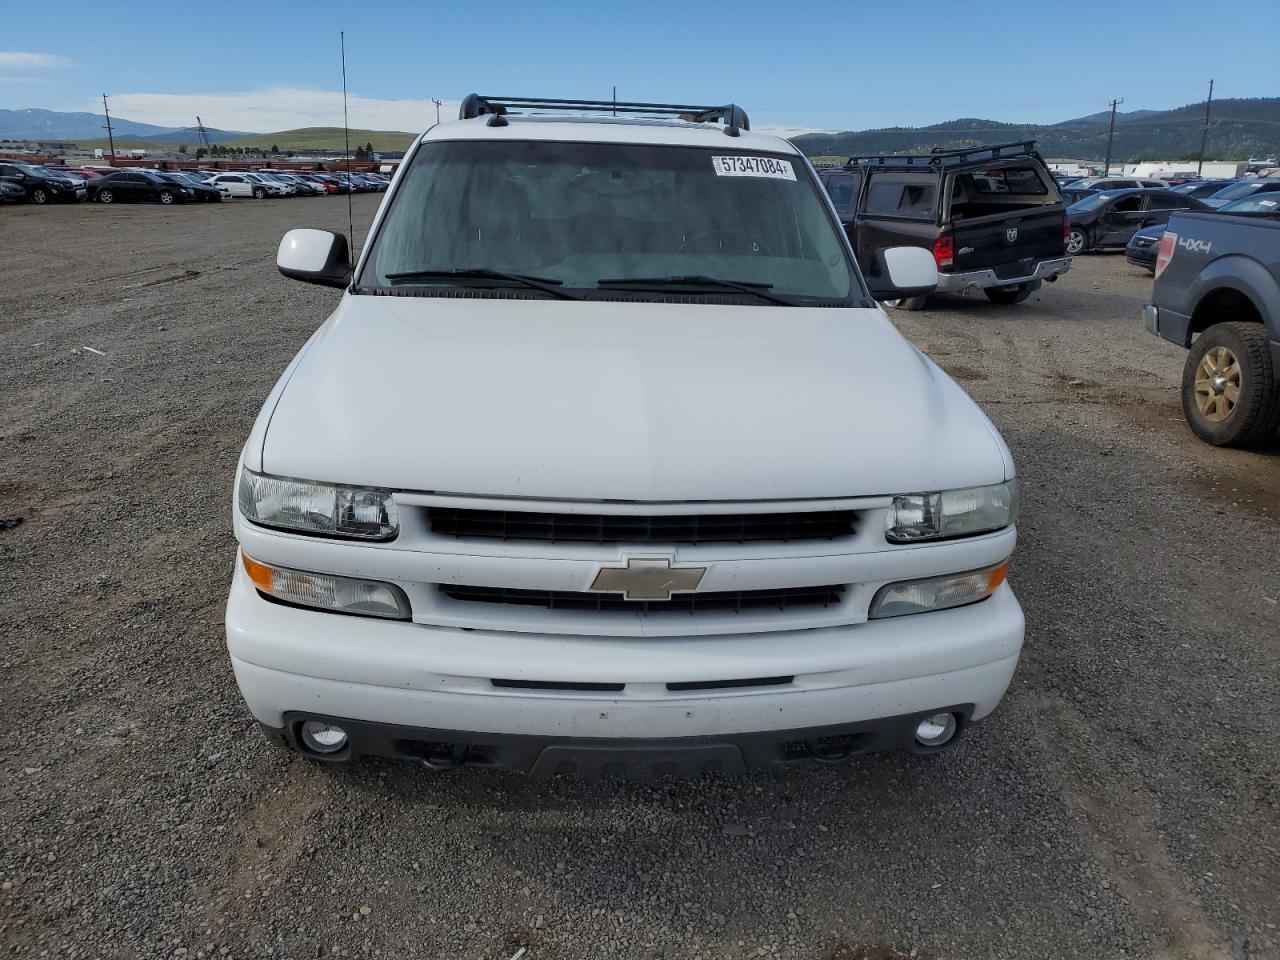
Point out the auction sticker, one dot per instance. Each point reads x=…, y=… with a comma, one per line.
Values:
x=770, y=168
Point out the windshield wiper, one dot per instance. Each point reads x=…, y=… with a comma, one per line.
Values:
x=751, y=287
x=545, y=284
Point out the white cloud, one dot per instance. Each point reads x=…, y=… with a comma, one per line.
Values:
x=787, y=131
x=287, y=108
x=15, y=60
x=278, y=108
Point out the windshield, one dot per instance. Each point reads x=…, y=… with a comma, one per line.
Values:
x=1262, y=203
x=577, y=214
x=1092, y=202
x=1238, y=190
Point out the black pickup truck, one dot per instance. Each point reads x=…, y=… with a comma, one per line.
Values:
x=992, y=216
x=1217, y=293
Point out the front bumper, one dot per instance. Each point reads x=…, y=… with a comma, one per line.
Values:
x=871, y=681
x=543, y=757
x=1144, y=257
x=982, y=279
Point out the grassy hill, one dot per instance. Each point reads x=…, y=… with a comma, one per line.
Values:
x=324, y=138
x=1240, y=129
x=306, y=138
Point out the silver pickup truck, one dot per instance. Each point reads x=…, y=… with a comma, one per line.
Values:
x=1217, y=292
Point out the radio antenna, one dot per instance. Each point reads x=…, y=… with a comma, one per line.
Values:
x=346, y=136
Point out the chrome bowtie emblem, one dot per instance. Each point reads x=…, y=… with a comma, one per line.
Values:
x=648, y=579
x=1011, y=234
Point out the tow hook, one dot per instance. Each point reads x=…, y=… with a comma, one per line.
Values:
x=833, y=750
x=445, y=757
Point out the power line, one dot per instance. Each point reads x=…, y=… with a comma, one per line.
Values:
x=1204, y=136
x=1111, y=133
x=110, y=134
x=346, y=137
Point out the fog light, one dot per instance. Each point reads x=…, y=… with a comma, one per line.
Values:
x=936, y=731
x=323, y=737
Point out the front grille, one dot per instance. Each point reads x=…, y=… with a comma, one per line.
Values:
x=663, y=529
x=731, y=601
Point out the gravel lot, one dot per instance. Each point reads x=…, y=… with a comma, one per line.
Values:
x=1125, y=801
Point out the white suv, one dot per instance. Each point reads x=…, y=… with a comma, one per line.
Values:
x=243, y=184
x=608, y=462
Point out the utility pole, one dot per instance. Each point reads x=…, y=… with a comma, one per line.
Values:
x=615, y=99
x=110, y=135
x=1106, y=168
x=437, y=103
x=1204, y=136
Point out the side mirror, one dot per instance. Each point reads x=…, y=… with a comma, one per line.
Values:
x=315, y=256
x=901, y=272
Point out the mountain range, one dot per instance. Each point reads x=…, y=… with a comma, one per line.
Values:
x=34, y=124
x=1239, y=129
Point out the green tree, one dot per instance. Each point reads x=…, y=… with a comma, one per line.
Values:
x=200, y=153
x=275, y=148
x=368, y=149
x=360, y=154
x=182, y=149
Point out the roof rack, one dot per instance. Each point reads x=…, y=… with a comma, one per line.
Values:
x=474, y=105
x=939, y=155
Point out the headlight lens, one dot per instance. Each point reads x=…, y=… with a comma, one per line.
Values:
x=952, y=513
x=327, y=509
x=368, y=598
x=937, y=593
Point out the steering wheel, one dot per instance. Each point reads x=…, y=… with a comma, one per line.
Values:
x=757, y=245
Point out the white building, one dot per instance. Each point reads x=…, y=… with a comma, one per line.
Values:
x=1212, y=169
x=1072, y=168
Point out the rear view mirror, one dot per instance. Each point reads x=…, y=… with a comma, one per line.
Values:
x=315, y=256
x=900, y=272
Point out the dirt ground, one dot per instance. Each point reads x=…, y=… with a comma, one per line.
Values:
x=1124, y=801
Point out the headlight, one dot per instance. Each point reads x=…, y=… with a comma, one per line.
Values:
x=369, y=598
x=951, y=513
x=937, y=593
x=326, y=509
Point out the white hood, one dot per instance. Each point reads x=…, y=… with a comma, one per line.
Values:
x=623, y=401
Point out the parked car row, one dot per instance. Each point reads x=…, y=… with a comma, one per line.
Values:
x=43, y=184
x=39, y=184
x=1114, y=219
x=1143, y=247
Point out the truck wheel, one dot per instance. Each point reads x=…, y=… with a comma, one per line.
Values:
x=1229, y=392
x=1010, y=295
x=908, y=303
x=1077, y=242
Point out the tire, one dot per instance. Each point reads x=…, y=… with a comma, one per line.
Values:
x=1229, y=392
x=105, y=196
x=259, y=193
x=39, y=195
x=166, y=197
x=908, y=303
x=1077, y=242
x=1010, y=295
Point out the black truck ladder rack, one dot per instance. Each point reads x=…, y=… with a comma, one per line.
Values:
x=474, y=105
x=936, y=156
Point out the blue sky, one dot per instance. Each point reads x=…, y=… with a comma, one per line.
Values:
x=792, y=65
